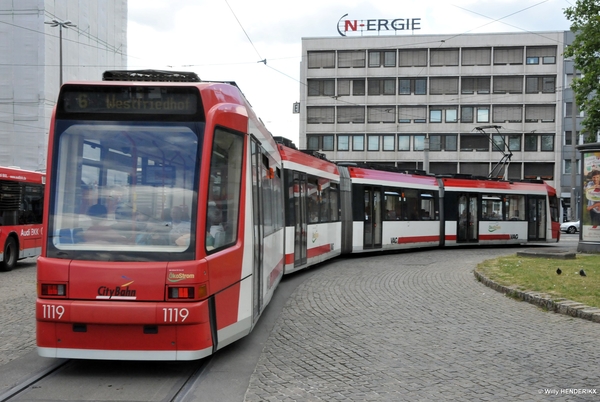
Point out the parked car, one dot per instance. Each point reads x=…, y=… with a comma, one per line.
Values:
x=569, y=227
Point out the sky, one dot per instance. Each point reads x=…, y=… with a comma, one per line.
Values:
x=258, y=44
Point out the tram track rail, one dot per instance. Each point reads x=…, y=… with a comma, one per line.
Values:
x=131, y=382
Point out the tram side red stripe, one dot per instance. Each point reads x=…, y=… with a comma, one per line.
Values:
x=317, y=251
x=494, y=237
x=418, y=239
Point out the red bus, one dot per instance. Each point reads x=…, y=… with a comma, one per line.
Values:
x=21, y=214
x=164, y=215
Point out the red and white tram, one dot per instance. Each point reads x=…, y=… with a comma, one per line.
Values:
x=165, y=226
x=172, y=214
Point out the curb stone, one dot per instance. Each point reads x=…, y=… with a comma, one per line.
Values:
x=561, y=306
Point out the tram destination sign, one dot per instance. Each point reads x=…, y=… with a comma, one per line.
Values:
x=129, y=100
x=348, y=26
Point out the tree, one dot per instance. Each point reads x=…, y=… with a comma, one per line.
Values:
x=585, y=50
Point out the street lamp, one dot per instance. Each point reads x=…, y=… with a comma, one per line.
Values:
x=61, y=24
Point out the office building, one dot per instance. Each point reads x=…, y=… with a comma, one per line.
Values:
x=30, y=68
x=442, y=103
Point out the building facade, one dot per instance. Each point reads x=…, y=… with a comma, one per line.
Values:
x=30, y=65
x=441, y=103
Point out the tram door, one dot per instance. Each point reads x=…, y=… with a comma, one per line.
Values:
x=258, y=170
x=467, y=219
x=299, y=186
x=373, y=226
x=536, y=225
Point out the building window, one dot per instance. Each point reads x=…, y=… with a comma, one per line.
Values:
x=535, y=113
x=319, y=114
x=435, y=115
x=358, y=143
x=530, y=143
x=466, y=114
x=569, y=110
x=385, y=58
x=351, y=59
x=321, y=87
x=547, y=141
x=442, y=142
x=546, y=53
x=544, y=171
x=567, y=166
x=319, y=142
x=476, y=56
x=508, y=113
x=381, y=114
x=443, y=85
x=343, y=142
x=348, y=87
x=472, y=85
x=508, y=84
x=444, y=57
x=569, y=137
x=483, y=114
x=372, y=143
x=388, y=142
x=545, y=84
x=475, y=169
x=513, y=142
x=451, y=115
x=350, y=114
x=404, y=143
x=419, y=142
x=412, y=58
x=381, y=86
x=470, y=142
x=412, y=114
x=416, y=86
x=321, y=59
x=508, y=55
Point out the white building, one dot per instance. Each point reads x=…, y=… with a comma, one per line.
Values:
x=29, y=66
x=378, y=99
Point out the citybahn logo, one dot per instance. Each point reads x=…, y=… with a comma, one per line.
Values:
x=122, y=292
x=347, y=26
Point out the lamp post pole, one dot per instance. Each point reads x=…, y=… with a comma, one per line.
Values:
x=60, y=24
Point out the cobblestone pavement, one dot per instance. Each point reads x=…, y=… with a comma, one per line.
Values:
x=413, y=326
x=17, y=311
x=419, y=327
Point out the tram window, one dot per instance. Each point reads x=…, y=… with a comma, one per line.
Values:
x=515, y=207
x=324, y=200
x=334, y=205
x=225, y=181
x=393, y=205
x=428, y=208
x=412, y=204
x=491, y=207
x=313, y=200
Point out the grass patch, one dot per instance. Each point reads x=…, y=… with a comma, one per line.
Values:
x=538, y=274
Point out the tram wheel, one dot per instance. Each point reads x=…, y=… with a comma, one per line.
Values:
x=10, y=255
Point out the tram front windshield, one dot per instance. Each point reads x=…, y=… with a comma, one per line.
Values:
x=123, y=190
